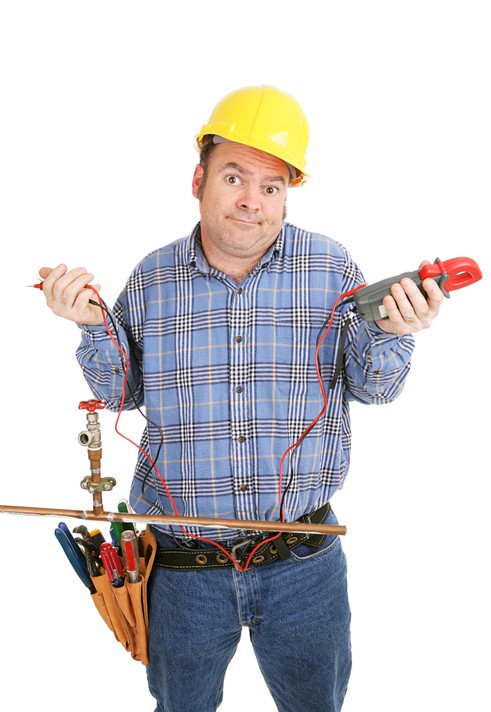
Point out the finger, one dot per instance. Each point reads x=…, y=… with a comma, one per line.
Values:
x=394, y=313
x=45, y=272
x=50, y=275
x=67, y=287
x=395, y=322
x=435, y=294
x=409, y=309
x=409, y=299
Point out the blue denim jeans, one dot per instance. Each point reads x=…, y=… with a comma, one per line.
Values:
x=298, y=617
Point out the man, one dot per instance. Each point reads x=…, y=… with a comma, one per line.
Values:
x=221, y=328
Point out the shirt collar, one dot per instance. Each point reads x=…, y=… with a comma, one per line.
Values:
x=196, y=257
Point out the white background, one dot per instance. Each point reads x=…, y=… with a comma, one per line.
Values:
x=100, y=102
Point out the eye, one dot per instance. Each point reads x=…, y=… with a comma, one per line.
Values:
x=233, y=180
x=271, y=190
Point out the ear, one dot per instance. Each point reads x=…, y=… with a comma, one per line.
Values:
x=197, y=178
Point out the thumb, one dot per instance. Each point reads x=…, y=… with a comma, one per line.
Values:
x=45, y=271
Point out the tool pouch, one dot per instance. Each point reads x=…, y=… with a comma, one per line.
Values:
x=125, y=609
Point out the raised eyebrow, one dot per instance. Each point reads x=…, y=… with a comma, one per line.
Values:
x=275, y=179
x=231, y=165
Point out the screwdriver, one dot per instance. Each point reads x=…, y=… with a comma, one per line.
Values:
x=112, y=564
x=131, y=562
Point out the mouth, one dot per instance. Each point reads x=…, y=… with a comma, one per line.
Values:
x=243, y=221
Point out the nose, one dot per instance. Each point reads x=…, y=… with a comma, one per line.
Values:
x=249, y=198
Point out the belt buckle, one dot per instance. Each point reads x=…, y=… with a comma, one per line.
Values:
x=236, y=559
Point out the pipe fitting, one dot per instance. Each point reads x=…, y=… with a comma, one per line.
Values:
x=86, y=438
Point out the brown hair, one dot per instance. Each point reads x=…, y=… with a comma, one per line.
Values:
x=206, y=148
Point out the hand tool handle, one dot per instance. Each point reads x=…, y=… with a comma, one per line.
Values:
x=79, y=568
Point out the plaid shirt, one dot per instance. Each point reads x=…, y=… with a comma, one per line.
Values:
x=227, y=373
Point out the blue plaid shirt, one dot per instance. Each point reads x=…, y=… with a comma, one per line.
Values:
x=227, y=373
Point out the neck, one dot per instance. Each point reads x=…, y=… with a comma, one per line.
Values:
x=236, y=267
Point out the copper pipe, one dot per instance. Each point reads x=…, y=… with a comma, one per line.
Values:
x=248, y=524
x=95, y=472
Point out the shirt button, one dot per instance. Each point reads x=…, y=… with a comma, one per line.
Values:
x=240, y=290
x=241, y=439
x=239, y=389
x=238, y=339
x=243, y=488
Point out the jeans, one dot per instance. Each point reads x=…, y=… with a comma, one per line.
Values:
x=298, y=617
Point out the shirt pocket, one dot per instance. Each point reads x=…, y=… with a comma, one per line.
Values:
x=295, y=340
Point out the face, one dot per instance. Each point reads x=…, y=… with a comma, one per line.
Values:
x=241, y=202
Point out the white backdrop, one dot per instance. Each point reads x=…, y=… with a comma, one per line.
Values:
x=99, y=105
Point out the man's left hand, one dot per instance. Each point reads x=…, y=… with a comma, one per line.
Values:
x=407, y=309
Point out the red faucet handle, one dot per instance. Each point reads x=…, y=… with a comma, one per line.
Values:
x=91, y=405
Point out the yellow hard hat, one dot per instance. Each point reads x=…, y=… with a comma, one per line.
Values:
x=265, y=118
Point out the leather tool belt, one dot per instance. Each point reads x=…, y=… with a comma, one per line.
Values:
x=125, y=609
x=184, y=558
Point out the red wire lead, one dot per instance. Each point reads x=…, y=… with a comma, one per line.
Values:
x=294, y=445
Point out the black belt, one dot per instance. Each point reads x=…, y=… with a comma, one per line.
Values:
x=191, y=559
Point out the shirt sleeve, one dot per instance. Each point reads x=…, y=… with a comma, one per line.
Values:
x=376, y=363
x=111, y=367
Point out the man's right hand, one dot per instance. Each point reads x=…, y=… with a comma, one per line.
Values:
x=67, y=296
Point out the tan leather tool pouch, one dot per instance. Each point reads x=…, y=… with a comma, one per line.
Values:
x=125, y=609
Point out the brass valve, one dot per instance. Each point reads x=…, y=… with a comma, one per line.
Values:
x=91, y=439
